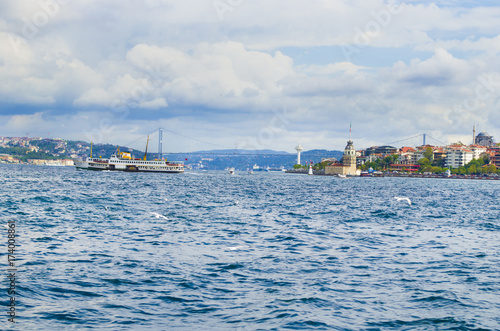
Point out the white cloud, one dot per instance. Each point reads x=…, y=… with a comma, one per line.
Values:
x=178, y=62
x=441, y=69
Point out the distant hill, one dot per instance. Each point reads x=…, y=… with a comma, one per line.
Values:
x=242, y=151
x=323, y=153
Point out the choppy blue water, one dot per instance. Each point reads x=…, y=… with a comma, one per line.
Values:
x=270, y=251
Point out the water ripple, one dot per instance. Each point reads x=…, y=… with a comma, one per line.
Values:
x=271, y=251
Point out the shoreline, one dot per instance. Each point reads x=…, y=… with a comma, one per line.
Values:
x=440, y=176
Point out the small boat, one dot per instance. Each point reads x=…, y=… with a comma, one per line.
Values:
x=231, y=171
x=250, y=172
x=256, y=168
x=341, y=176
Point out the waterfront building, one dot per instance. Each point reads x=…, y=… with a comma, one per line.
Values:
x=382, y=150
x=407, y=155
x=4, y=158
x=478, y=151
x=495, y=155
x=58, y=162
x=458, y=156
x=410, y=155
x=404, y=167
x=347, y=166
x=439, y=153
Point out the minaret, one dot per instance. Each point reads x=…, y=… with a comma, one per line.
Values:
x=474, y=134
x=299, y=149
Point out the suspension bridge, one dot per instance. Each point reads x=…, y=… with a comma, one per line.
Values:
x=418, y=140
x=164, y=141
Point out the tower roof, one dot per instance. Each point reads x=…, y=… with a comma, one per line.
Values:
x=349, y=145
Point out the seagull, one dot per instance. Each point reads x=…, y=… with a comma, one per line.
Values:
x=403, y=199
x=158, y=216
x=235, y=248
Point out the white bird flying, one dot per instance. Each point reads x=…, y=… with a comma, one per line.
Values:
x=403, y=199
x=159, y=215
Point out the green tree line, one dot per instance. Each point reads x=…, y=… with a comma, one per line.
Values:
x=24, y=154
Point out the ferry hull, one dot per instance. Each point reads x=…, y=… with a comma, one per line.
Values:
x=123, y=161
x=151, y=166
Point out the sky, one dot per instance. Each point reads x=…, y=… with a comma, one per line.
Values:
x=250, y=74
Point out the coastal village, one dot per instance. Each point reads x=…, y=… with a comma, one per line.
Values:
x=456, y=158
x=53, y=151
x=389, y=159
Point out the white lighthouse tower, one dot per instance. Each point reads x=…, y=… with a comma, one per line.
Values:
x=299, y=149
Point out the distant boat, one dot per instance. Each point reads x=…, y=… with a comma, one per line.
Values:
x=341, y=176
x=231, y=171
x=276, y=169
x=258, y=168
x=250, y=172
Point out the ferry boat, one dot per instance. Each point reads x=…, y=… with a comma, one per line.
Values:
x=276, y=169
x=123, y=161
x=258, y=168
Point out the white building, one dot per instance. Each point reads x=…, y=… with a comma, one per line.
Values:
x=458, y=157
x=477, y=150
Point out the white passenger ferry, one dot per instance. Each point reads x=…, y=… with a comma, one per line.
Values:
x=123, y=161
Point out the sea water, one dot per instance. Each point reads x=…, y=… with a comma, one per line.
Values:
x=268, y=251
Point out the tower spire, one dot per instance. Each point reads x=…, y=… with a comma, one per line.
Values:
x=474, y=134
x=160, y=144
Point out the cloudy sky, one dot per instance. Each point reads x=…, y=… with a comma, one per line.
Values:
x=250, y=73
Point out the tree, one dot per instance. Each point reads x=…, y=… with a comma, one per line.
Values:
x=424, y=161
x=429, y=154
x=320, y=165
x=395, y=158
x=439, y=162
